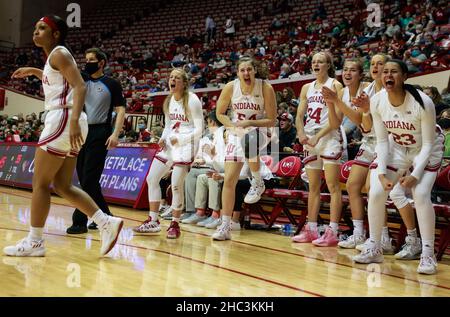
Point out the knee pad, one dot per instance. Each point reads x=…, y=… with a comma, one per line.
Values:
x=398, y=198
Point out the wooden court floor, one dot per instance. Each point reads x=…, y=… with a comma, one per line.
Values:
x=254, y=263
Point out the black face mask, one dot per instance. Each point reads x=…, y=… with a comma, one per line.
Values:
x=444, y=123
x=92, y=68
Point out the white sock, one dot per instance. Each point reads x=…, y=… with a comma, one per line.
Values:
x=153, y=215
x=412, y=233
x=428, y=247
x=35, y=234
x=100, y=218
x=176, y=219
x=374, y=244
x=334, y=226
x=312, y=226
x=358, y=228
x=226, y=220
x=257, y=176
x=385, y=233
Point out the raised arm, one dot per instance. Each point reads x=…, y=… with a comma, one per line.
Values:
x=27, y=71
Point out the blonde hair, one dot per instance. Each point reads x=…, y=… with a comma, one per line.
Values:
x=329, y=59
x=185, y=97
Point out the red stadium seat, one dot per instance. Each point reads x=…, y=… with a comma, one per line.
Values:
x=291, y=167
x=443, y=178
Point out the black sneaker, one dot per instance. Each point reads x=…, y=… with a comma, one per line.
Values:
x=92, y=226
x=76, y=229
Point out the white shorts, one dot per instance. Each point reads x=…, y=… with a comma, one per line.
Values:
x=366, y=153
x=402, y=159
x=55, y=138
x=177, y=155
x=327, y=151
x=234, y=150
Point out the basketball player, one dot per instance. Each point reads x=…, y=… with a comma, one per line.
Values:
x=409, y=116
x=63, y=135
x=253, y=106
x=360, y=168
x=179, y=143
x=323, y=151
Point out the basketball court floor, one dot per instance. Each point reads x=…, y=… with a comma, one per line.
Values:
x=255, y=263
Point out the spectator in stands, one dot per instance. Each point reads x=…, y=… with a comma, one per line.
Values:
x=229, y=27
x=434, y=94
x=440, y=15
x=288, y=132
x=210, y=29
x=285, y=96
x=446, y=93
x=144, y=134
x=392, y=28
x=320, y=12
x=414, y=58
x=323, y=144
x=444, y=123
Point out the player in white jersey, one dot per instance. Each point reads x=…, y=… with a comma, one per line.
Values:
x=409, y=116
x=253, y=106
x=62, y=137
x=179, y=141
x=359, y=172
x=338, y=103
x=323, y=151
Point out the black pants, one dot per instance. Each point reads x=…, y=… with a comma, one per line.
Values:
x=90, y=163
x=242, y=188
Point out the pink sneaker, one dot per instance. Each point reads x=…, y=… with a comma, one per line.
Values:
x=174, y=231
x=328, y=239
x=306, y=235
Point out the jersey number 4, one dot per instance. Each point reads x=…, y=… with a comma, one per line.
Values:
x=404, y=139
x=314, y=115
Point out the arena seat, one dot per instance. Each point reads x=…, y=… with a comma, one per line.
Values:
x=289, y=167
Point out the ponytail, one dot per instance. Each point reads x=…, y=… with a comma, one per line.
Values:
x=413, y=91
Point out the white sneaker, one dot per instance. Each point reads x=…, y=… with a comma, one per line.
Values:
x=222, y=233
x=363, y=246
x=427, y=265
x=352, y=242
x=167, y=214
x=208, y=220
x=411, y=250
x=26, y=247
x=255, y=192
x=193, y=219
x=369, y=255
x=148, y=226
x=386, y=245
x=214, y=224
x=163, y=209
x=109, y=234
x=235, y=226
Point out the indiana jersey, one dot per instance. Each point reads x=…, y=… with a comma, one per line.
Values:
x=179, y=121
x=247, y=107
x=58, y=93
x=402, y=122
x=317, y=110
x=348, y=102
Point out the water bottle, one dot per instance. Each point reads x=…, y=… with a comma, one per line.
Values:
x=286, y=229
x=247, y=224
